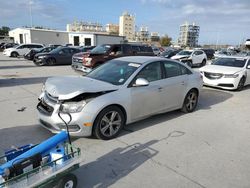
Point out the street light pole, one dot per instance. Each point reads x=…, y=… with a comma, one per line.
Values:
x=31, y=19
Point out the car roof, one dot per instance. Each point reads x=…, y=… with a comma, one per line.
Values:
x=141, y=59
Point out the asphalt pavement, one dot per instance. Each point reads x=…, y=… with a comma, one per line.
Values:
x=206, y=148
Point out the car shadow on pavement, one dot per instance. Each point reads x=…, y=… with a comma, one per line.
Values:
x=113, y=166
x=18, y=59
x=10, y=82
x=210, y=97
x=18, y=67
x=22, y=135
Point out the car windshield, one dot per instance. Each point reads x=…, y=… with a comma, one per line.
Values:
x=165, y=53
x=56, y=50
x=101, y=49
x=230, y=62
x=185, y=52
x=115, y=72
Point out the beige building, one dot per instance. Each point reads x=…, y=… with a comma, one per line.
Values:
x=127, y=26
x=112, y=29
x=84, y=26
x=142, y=35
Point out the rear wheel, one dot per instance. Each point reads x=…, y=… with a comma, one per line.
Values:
x=68, y=181
x=109, y=123
x=241, y=84
x=190, y=101
x=14, y=54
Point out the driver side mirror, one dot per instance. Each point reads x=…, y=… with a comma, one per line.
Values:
x=140, y=82
x=248, y=66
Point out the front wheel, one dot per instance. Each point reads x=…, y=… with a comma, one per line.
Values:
x=109, y=123
x=190, y=101
x=190, y=64
x=14, y=54
x=241, y=84
x=51, y=61
x=203, y=63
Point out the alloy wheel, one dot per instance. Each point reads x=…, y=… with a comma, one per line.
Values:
x=69, y=184
x=191, y=101
x=110, y=123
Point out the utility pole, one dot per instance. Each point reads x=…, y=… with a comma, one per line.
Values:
x=217, y=39
x=31, y=19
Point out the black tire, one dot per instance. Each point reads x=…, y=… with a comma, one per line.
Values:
x=189, y=63
x=241, y=83
x=190, y=101
x=51, y=61
x=104, y=123
x=203, y=63
x=14, y=54
x=68, y=181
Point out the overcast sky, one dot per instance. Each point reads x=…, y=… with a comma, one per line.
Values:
x=227, y=21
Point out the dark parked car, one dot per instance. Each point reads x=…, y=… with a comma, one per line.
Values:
x=7, y=45
x=31, y=54
x=86, y=48
x=86, y=61
x=170, y=53
x=209, y=52
x=58, y=56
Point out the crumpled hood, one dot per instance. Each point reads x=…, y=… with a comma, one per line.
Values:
x=40, y=54
x=179, y=56
x=220, y=69
x=67, y=87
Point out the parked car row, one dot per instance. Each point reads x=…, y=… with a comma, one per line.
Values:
x=4, y=46
x=21, y=49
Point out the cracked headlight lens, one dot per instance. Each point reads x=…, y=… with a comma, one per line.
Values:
x=73, y=107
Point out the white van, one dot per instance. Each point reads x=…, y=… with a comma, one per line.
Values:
x=21, y=49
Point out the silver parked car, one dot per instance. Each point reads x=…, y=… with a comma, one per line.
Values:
x=119, y=92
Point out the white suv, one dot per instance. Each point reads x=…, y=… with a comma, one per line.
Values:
x=21, y=49
x=191, y=57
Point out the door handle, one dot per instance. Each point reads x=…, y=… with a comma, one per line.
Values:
x=182, y=83
x=159, y=89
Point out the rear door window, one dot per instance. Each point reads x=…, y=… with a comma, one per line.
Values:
x=173, y=69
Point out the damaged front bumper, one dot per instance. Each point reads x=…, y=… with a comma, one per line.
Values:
x=80, y=125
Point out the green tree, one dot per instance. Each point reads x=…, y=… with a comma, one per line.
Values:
x=166, y=40
x=4, y=31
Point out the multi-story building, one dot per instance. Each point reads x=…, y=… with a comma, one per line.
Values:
x=85, y=26
x=142, y=35
x=154, y=37
x=127, y=26
x=189, y=35
x=112, y=29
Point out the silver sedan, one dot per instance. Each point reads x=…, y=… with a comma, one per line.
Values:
x=119, y=92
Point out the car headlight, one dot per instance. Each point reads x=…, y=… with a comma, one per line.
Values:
x=231, y=75
x=41, y=57
x=88, y=61
x=73, y=107
x=43, y=88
